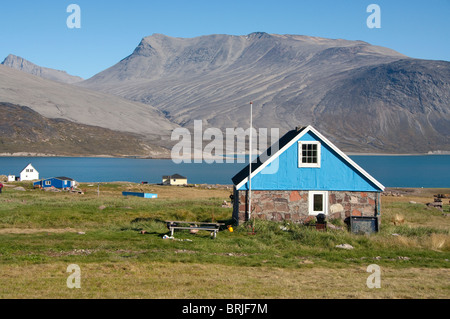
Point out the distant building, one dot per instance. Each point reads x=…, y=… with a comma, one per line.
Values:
x=56, y=182
x=305, y=176
x=29, y=173
x=11, y=178
x=174, y=180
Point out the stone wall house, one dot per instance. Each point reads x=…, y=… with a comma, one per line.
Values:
x=304, y=175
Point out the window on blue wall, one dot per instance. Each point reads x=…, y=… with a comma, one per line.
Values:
x=308, y=154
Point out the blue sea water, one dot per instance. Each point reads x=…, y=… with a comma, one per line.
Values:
x=428, y=171
x=392, y=171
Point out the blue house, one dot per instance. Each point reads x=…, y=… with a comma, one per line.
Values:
x=304, y=175
x=56, y=182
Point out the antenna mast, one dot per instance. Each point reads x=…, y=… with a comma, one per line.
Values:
x=250, y=163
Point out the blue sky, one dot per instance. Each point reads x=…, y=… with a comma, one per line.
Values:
x=110, y=30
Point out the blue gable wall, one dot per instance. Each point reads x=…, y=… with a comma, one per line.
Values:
x=334, y=174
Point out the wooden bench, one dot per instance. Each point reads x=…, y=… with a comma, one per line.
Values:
x=212, y=227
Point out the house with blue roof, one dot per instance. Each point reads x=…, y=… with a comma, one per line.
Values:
x=301, y=176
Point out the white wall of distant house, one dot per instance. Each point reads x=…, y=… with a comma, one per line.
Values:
x=29, y=173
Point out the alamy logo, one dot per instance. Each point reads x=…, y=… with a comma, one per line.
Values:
x=230, y=147
x=74, y=20
x=74, y=280
x=374, y=280
x=374, y=20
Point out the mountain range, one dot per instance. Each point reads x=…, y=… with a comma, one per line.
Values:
x=364, y=98
x=21, y=64
x=83, y=106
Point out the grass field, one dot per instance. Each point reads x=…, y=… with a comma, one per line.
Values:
x=42, y=233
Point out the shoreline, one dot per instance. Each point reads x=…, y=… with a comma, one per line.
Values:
x=227, y=186
x=40, y=155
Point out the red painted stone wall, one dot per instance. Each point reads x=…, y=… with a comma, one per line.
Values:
x=293, y=205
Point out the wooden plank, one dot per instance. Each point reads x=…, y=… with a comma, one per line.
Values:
x=195, y=228
x=199, y=223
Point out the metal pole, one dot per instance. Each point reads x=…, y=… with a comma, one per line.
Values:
x=250, y=163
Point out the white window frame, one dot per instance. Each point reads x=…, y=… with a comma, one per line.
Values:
x=48, y=183
x=300, y=155
x=311, y=203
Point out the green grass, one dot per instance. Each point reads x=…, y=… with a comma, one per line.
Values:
x=41, y=228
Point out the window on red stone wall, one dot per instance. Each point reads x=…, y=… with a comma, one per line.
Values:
x=318, y=202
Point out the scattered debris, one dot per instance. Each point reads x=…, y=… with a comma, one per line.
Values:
x=76, y=191
x=398, y=219
x=102, y=207
x=225, y=204
x=81, y=233
x=403, y=258
x=173, y=238
x=331, y=226
x=392, y=193
x=345, y=246
x=436, y=204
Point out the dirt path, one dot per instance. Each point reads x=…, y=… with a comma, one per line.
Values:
x=35, y=231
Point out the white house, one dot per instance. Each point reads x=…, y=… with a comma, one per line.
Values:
x=11, y=178
x=29, y=173
x=176, y=179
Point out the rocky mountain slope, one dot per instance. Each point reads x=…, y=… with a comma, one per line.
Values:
x=83, y=106
x=21, y=64
x=363, y=97
x=25, y=131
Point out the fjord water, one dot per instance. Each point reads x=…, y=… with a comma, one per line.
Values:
x=392, y=171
